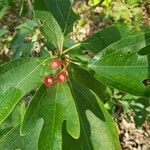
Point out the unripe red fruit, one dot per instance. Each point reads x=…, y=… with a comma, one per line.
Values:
x=48, y=81
x=62, y=77
x=55, y=64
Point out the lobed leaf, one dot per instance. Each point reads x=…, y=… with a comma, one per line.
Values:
x=98, y=130
x=54, y=105
x=13, y=140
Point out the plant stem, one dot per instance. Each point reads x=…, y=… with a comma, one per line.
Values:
x=76, y=63
x=72, y=47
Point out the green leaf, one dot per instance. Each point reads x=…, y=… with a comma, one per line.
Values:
x=94, y=2
x=106, y=3
x=144, y=51
x=121, y=67
x=68, y=42
x=137, y=105
x=12, y=120
x=3, y=9
x=50, y=28
x=2, y=32
x=14, y=141
x=25, y=8
x=63, y=13
x=98, y=130
x=140, y=107
x=19, y=45
x=87, y=79
x=54, y=105
x=105, y=37
x=29, y=24
x=17, y=78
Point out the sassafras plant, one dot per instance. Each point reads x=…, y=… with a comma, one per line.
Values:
x=70, y=83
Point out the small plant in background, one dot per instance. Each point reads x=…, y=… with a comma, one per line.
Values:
x=134, y=108
x=70, y=81
x=128, y=12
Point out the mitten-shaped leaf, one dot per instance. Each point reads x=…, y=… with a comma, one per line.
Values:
x=54, y=105
x=98, y=130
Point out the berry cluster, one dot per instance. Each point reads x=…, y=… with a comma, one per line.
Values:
x=60, y=77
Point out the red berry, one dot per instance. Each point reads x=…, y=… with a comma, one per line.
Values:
x=48, y=81
x=55, y=64
x=62, y=77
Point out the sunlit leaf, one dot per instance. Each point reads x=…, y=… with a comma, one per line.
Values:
x=54, y=105
x=120, y=66
x=17, y=78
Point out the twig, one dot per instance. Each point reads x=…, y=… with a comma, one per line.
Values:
x=74, y=46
